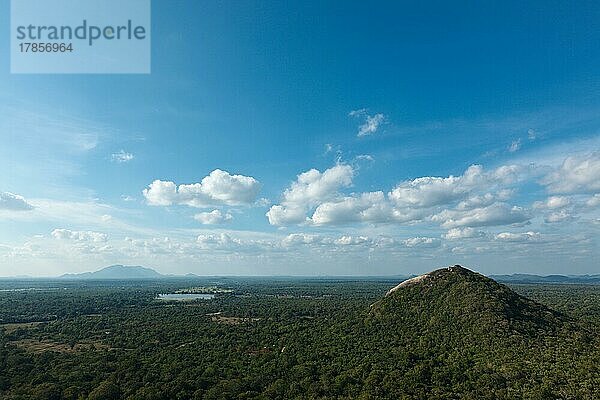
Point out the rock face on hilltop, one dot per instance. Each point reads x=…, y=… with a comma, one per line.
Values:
x=458, y=301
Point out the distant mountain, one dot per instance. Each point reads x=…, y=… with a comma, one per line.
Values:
x=529, y=278
x=117, y=272
x=458, y=301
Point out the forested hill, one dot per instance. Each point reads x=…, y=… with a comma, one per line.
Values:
x=463, y=302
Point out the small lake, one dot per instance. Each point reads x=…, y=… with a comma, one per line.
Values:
x=185, y=296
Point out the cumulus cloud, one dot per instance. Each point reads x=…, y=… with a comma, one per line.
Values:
x=218, y=188
x=79, y=236
x=558, y=216
x=13, y=202
x=310, y=189
x=295, y=239
x=366, y=207
x=484, y=199
x=226, y=242
x=552, y=203
x=493, y=215
x=463, y=233
x=519, y=237
x=433, y=191
x=316, y=198
x=370, y=207
x=352, y=240
x=281, y=215
x=122, y=157
x=357, y=242
x=476, y=201
x=213, y=217
x=577, y=174
x=556, y=207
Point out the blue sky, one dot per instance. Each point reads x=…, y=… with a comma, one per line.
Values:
x=347, y=138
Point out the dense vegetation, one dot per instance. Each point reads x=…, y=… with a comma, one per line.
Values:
x=458, y=336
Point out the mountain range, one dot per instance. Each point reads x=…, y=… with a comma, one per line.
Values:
x=115, y=272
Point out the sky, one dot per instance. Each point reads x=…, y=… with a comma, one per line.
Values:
x=314, y=138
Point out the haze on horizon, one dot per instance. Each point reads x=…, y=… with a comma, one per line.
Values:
x=297, y=140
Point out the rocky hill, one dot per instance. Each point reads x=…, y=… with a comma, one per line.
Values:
x=458, y=300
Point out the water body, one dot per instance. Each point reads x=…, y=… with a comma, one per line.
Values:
x=185, y=296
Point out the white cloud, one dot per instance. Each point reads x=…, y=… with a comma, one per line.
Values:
x=357, y=113
x=552, y=203
x=433, y=191
x=593, y=201
x=161, y=193
x=514, y=146
x=578, y=174
x=558, y=216
x=371, y=122
x=519, y=237
x=483, y=200
x=122, y=156
x=366, y=207
x=280, y=215
x=493, y=215
x=221, y=241
x=295, y=239
x=354, y=252
x=218, y=188
x=371, y=125
x=476, y=201
x=366, y=243
x=213, y=217
x=557, y=206
x=79, y=236
x=370, y=207
x=352, y=240
x=365, y=157
x=316, y=198
x=13, y=202
x=422, y=242
x=310, y=189
x=463, y=233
